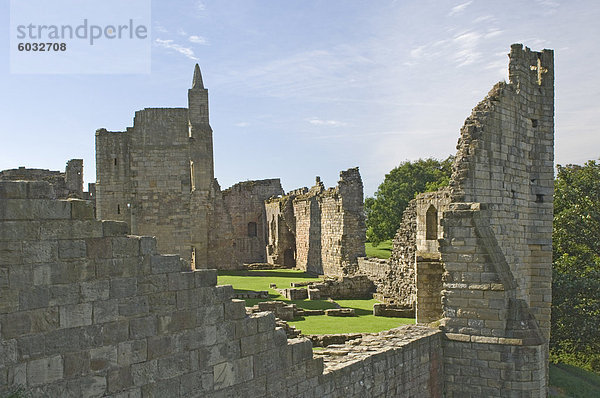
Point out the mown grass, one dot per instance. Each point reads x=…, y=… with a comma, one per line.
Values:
x=382, y=250
x=571, y=381
x=364, y=322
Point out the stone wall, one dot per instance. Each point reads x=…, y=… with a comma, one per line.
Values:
x=497, y=245
x=307, y=212
x=430, y=208
x=328, y=225
x=245, y=203
x=395, y=278
x=67, y=184
x=158, y=176
x=281, y=224
x=87, y=310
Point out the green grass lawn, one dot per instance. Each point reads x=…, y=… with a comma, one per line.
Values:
x=365, y=322
x=383, y=250
x=571, y=381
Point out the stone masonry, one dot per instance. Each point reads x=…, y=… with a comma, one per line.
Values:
x=158, y=176
x=65, y=185
x=89, y=311
x=325, y=228
x=479, y=253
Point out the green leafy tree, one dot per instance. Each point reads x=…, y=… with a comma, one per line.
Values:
x=384, y=211
x=575, y=333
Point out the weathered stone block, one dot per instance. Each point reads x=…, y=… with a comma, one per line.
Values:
x=114, y=228
x=71, y=249
x=93, y=386
x=147, y=245
x=181, y=280
x=35, y=297
x=130, y=352
x=142, y=327
x=99, y=248
x=176, y=321
x=40, y=252
x=44, y=370
x=15, y=325
x=173, y=365
x=134, y=306
x=205, y=277
x=224, y=375
x=123, y=287
x=8, y=352
x=81, y=209
x=125, y=247
x=75, y=315
x=163, y=264
x=235, y=309
x=119, y=379
x=95, y=290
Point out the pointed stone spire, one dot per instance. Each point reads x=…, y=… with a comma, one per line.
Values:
x=197, y=80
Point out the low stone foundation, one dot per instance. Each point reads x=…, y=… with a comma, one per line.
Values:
x=391, y=310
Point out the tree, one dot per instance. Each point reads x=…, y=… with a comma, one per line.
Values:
x=400, y=186
x=576, y=265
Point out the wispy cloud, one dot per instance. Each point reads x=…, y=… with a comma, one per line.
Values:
x=459, y=8
x=197, y=39
x=171, y=45
x=467, y=48
x=181, y=32
x=332, y=123
x=492, y=33
x=242, y=124
x=317, y=73
x=484, y=18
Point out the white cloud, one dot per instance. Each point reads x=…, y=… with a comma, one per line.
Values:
x=181, y=32
x=333, y=123
x=492, y=33
x=459, y=8
x=467, y=48
x=242, y=124
x=200, y=6
x=484, y=18
x=197, y=39
x=169, y=44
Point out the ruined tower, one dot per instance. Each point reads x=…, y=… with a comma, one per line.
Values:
x=158, y=174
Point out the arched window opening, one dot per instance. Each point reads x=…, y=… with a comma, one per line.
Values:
x=431, y=223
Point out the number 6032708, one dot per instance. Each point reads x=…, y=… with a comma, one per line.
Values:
x=42, y=46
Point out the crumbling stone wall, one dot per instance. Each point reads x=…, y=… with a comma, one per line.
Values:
x=330, y=229
x=430, y=207
x=245, y=203
x=307, y=211
x=158, y=176
x=281, y=224
x=67, y=184
x=497, y=246
x=87, y=310
x=395, y=278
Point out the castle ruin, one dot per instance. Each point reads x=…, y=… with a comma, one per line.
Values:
x=158, y=176
x=86, y=309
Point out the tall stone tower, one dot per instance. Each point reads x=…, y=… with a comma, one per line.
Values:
x=158, y=175
x=201, y=168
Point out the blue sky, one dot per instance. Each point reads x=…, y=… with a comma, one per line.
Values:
x=305, y=88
